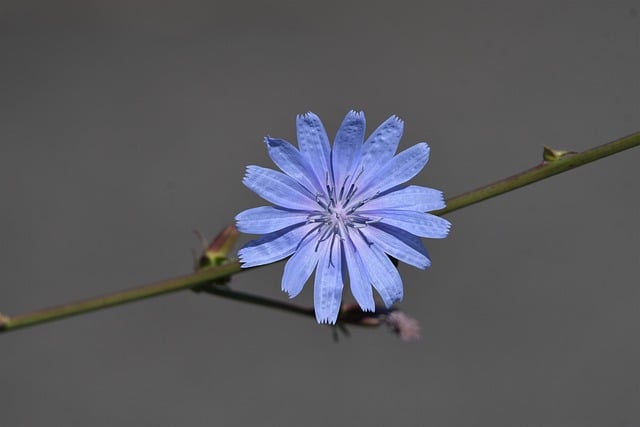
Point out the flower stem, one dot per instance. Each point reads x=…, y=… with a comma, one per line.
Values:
x=193, y=280
x=563, y=162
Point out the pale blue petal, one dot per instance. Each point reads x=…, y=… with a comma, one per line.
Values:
x=418, y=223
x=398, y=170
x=327, y=289
x=358, y=279
x=411, y=198
x=382, y=273
x=381, y=145
x=290, y=161
x=354, y=186
x=347, y=147
x=273, y=246
x=267, y=219
x=314, y=144
x=401, y=245
x=299, y=267
x=278, y=188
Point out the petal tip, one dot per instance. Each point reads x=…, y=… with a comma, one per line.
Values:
x=426, y=263
x=291, y=293
x=248, y=172
x=367, y=308
x=357, y=115
x=273, y=142
x=424, y=144
x=243, y=261
x=325, y=316
x=308, y=116
x=325, y=320
x=396, y=120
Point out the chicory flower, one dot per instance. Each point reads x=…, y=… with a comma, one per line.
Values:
x=342, y=211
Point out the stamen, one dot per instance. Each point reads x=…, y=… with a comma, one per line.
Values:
x=342, y=231
x=335, y=217
x=325, y=236
x=359, y=174
x=350, y=193
x=353, y=189
x=320, y=202
x=342, y=188
x=331, y=251
x=315, y=218
x=362, y=203
x=307, y=235
x=367, y=241
x=357, y=225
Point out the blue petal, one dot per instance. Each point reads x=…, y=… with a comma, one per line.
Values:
x=314, y=144
x=418, y=223
x=398, y=170
x=278, y=188
x=381, y=145
x=411, y=198
x=299, y=267
x=289, y=160
x=358, y=279
x=404, y=246
x=273, y=246
x=267, y=219
x=327, y=289
x=383, y=275
x=347, y=147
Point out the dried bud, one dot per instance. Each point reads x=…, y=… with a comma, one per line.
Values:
x=407, y=327
x=217, y=251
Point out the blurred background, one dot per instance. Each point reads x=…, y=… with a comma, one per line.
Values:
x=124, y=125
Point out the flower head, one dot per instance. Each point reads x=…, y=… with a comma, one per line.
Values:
x=342, y=211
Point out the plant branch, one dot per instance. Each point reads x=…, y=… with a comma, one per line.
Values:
x=555, y=162
x=192, y=280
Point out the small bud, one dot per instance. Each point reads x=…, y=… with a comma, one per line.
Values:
x=3, y=320
x=217, y=251
x=550, y=154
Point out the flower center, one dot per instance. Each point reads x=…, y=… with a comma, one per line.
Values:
x=337, y=213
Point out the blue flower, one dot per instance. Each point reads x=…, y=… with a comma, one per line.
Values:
x=342, y=212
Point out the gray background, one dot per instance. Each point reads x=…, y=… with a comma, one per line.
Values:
x=124, y=125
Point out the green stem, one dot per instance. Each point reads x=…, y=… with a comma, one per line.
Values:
x=538, y=173
x=193, y=280
x=201, y=277
x=226, y=292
